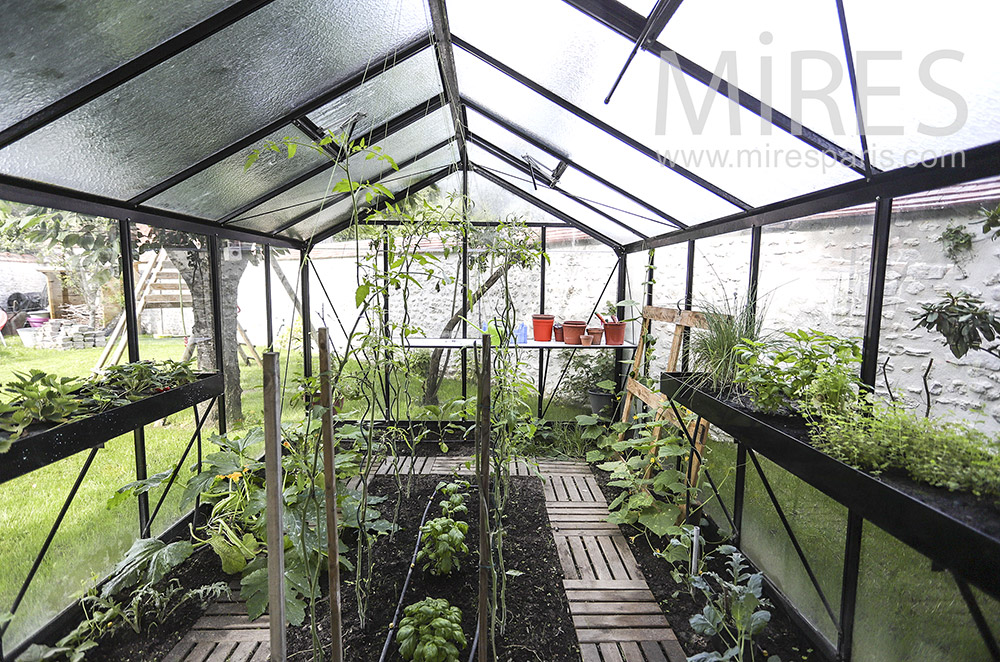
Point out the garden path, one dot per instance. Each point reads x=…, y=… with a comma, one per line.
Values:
x=225, y=634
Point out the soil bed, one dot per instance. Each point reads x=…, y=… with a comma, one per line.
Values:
x=539, y=624
x=781, y=637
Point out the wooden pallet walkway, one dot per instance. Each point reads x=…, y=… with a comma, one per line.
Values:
x=224, y=634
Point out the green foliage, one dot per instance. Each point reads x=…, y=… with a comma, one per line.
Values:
x=714, y=349
x=887, y=438
x=588, y=370
x=453, y=505
x=148, y=561
x=431, y=631
x=815, y=369
x=957, y=242
x=991, y=221
x=443, y=545
x=735, y=609
x=964, y=323
x=39, y=397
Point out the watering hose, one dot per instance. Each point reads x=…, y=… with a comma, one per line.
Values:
x=406, y=582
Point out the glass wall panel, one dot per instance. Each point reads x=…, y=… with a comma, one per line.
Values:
x=934, y=84
x=814, y=273
x=909, y=610
x=668, y=292
x=937, y=247
x=286, y=305
x=206, y=98
x=93, y=38
x=820, y=526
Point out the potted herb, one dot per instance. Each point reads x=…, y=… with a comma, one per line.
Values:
x=592, y=373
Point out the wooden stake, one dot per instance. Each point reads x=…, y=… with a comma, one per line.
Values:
x=275, y=525
x=330, y=489
x=483, y=471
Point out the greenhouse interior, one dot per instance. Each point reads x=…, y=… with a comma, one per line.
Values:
x=600, y=330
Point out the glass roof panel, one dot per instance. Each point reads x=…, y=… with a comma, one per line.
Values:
x=397, y=182
x=54, y=48
x=493, y=133
x=402, y=145
x=492, y=202
x=379, y=99
x=776, y=50
x=719, y=141
x=207, y=97
x=585, y=144
x=944, y=71
x=227, y=185
x=573, y=209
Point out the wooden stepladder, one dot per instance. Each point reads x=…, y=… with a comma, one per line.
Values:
x=697, y=430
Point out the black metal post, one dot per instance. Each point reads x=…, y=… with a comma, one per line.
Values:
x=306, y=316
x=620, y=374
x=739, y=491
x=753, y=286
x=849, y=586
x=268, y=309
x=688, y=302
x=215, y=271
x=132, y=336
x=977, y=617
x=876, y=289
x=541, y=310
x=465, y=273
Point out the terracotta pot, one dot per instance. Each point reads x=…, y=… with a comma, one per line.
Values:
x=614, y=333
x=572, y=331
x=597, y=332
x=542, y=325
x=557, y=331
x=586, y=341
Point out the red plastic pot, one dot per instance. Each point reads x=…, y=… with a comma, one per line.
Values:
x=558, y=332
x=542, y=325
x=614, y=333
x=597, y=332
x=572, y=332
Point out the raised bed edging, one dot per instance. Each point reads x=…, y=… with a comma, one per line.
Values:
x=955, y=545
x=38, y=449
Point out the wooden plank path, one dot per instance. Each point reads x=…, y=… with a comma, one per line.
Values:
x=617, y=619
x=224, y=634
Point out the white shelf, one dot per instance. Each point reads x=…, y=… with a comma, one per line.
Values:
x=463, y=343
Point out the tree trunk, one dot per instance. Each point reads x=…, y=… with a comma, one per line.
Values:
x=435, y=372
x=194, y=269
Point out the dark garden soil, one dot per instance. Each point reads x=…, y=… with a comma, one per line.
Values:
x=125, y=645
x=539, y=624
x=781, y=637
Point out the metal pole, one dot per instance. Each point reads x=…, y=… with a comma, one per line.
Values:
x=214, y=271
x=275, y=526
x=753, y=285
x=688, y=301
x=876, y=289
x=483, y=472
x=132, y=335
x=620, y=353
x=330, y=490
x=541, y=310
x=268, y=309
x=849, y=586
x=739, y=490
x=307, y=368
x=386, y=394
x=465, y=274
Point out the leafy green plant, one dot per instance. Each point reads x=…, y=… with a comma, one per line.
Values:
x=957, y=242
x=431, y=631
x=453, y=505
x=39, y=398
x=887, y=438
x=964, y=323
x=714, y=349
x=443, y=545
x=991, y=221
x=148, y=561
x=815, y=369
x=588, y=370
x=735, y=610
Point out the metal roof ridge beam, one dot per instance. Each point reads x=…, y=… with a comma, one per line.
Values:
x=131, y=69
x=546, y=207
x=942, y=172
x=394, y=125
x=628, y=24
x=336, y=91
x=333, y=200
x=523, y=167
x=599, y=124
x=528, y=138
x=381, y=204
x=45, y=195
x=446, y=65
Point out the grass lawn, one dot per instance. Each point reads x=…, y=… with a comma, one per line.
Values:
x=92, y=538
